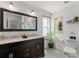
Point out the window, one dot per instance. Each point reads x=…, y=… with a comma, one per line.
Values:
x=46, y=25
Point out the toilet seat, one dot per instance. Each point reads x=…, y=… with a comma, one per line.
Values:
x=70, y=51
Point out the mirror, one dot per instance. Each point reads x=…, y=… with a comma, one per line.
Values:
x=30, y=23
x=18, y=21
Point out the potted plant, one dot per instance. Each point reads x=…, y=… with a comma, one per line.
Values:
x=76, y=18
x=50, y=39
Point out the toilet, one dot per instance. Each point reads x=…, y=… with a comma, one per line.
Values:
x=67, y=47
x=70, y=48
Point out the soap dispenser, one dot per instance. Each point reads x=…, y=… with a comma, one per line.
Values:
x=24, y=35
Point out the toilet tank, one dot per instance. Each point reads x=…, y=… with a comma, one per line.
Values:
x=73, y=43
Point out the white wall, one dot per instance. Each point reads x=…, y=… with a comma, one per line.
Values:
x=69, y=13
x=24, y=8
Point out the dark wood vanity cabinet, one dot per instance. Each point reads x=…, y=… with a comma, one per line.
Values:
x=25, y=49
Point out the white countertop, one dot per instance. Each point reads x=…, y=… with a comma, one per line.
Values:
x=11, y=40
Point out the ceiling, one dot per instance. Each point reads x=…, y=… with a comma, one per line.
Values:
x=49, y=6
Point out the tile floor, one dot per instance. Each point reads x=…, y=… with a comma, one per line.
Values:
x=55, y=53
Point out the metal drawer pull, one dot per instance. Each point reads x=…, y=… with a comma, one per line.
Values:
x=38, y=46
x=27, y=54
x=27, y=49
x=11, y=55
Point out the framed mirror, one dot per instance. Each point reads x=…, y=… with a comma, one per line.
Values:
x=15, y=21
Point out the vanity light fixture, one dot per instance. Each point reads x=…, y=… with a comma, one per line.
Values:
x=11, y=5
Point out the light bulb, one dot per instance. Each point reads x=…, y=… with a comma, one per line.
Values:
x=11, y=5
x=33, y=13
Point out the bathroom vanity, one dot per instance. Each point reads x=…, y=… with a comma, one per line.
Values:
x=26, y=48
x=22, y=48
x=31, y=47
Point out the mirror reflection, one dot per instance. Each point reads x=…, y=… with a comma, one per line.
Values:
x=17, y=21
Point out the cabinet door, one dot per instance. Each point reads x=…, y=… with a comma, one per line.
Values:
x=40, y=47
x=39, y=50
x=18, y=52
x=29, y=49
x=27, y=52
x=4, y=54
x=33, y=52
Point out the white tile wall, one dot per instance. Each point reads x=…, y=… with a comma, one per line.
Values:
x=24, y=8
